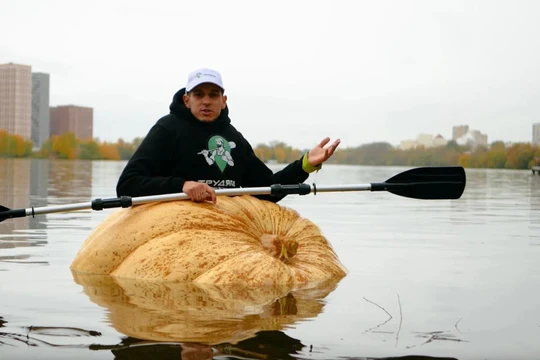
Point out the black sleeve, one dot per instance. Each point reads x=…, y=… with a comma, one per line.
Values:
x=259, y=175
x=146, y=172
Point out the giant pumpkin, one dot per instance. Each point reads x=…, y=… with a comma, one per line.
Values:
x=240, y=241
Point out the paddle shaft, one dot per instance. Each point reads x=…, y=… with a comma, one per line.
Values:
x=431, y=183
x=126, y=201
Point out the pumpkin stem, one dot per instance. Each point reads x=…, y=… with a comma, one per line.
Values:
x=279, y=246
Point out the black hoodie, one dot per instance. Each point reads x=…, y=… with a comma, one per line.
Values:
x=180, y=148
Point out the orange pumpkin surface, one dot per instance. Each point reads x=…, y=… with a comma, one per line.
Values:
x=239, y=241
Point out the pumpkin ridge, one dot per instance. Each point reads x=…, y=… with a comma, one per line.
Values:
x=220, y=264
x=248, y=275
x=178, y=257
x=160, y=235
x=239, y=239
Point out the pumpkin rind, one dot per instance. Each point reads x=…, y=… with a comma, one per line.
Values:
x=222, y=243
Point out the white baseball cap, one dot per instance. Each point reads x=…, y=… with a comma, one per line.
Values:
x=202, y=76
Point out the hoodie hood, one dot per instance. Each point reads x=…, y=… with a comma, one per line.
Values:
x=178, y=108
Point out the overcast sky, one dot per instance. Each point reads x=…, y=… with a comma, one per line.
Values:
x=294, y=71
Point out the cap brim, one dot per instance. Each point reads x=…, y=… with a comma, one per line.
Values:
x=203, y=81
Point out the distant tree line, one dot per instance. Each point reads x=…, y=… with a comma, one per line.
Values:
x=497, y=155
x=67, y=146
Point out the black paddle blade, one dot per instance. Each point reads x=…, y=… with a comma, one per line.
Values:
x=427, y=183
x=3, y=211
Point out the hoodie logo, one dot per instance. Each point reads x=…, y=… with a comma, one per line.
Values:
x=218, y=152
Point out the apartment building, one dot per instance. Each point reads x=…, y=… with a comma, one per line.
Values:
x=16, y=99
x=40, y=109
x=71, y=118
x=536, y=134
x=459, y=130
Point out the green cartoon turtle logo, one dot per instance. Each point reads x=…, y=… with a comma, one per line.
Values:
x=219, y=152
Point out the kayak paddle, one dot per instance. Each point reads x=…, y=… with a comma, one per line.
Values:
x=426, y=183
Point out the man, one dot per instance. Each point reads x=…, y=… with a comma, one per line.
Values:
x=195, y=149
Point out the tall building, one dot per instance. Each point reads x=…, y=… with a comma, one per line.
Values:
x=16, y=99
x=40, y=109
x=70, y=118
x=459, y=131
x=423, y=140
x=473, y=139
x=536, y=134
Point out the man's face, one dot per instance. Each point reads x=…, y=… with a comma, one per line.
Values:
x=206, y=102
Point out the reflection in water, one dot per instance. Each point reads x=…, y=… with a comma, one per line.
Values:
x=23, y=182
x=42, y=335
x=474, y=197
x=14, y=192
x=491, y=193
x=70, y=180
x=26, y=183
x=162, y=311
x=273, y=344
x=264, y=345
x=534, y=205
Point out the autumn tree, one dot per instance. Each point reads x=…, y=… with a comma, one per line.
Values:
x=109, y=151
x=90, y=150
x=496, y=156
x=519, y=156
x=14, y=145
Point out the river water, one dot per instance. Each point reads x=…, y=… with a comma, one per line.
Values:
x=447, y=279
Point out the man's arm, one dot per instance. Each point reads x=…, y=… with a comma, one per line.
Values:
x=259, y=175
x=146, y=173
